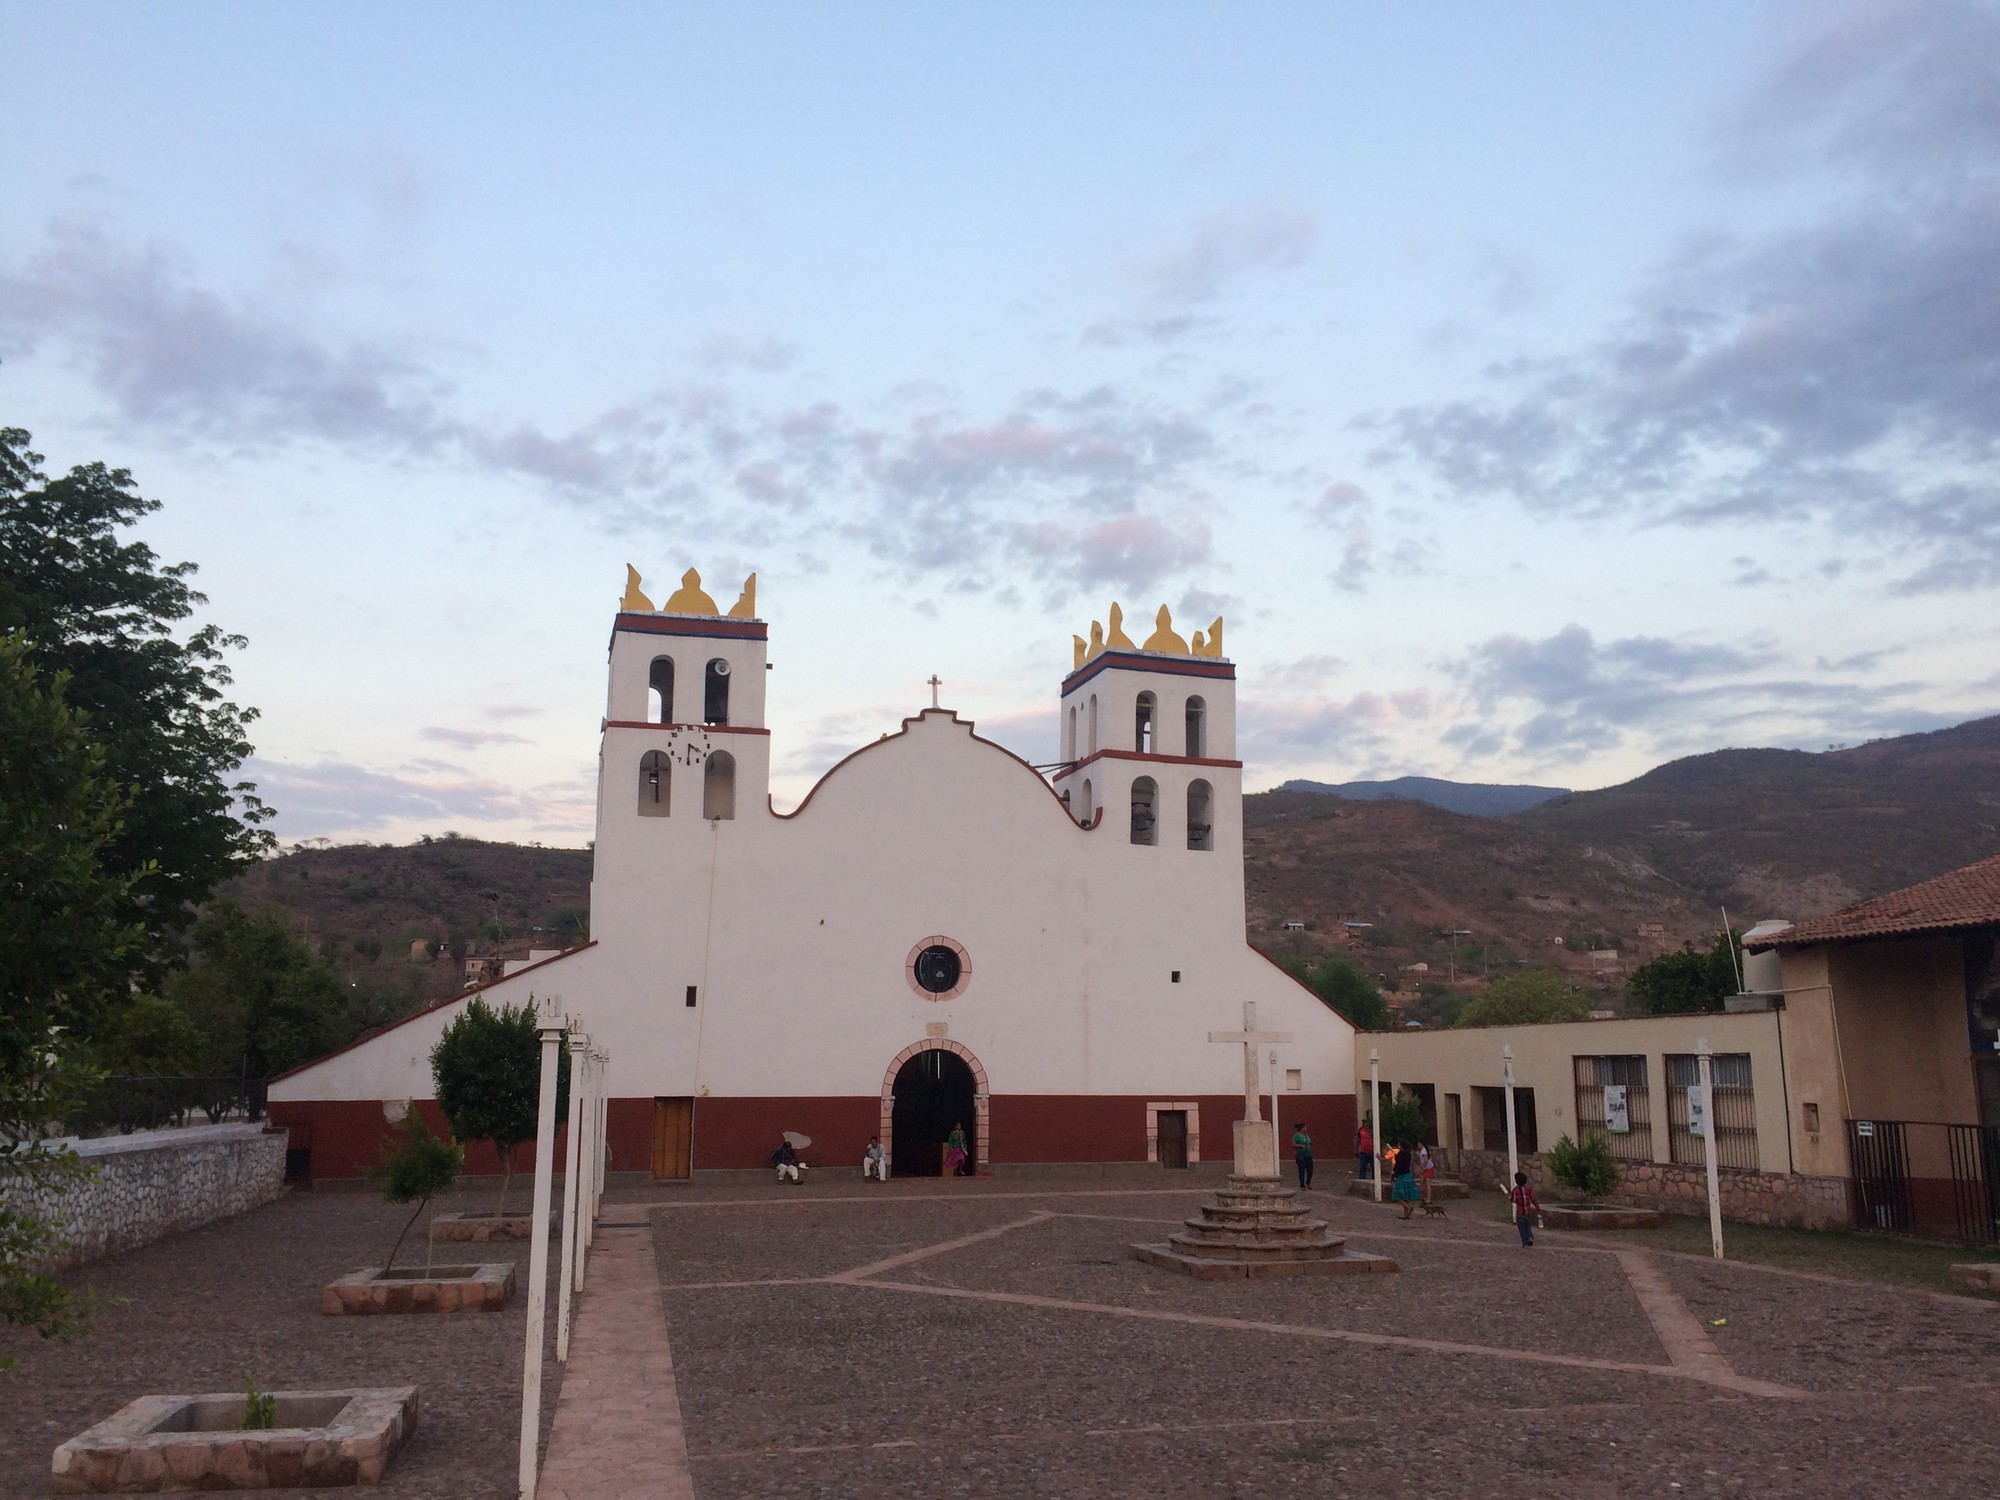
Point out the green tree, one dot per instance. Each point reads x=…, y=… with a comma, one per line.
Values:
x=1532, y=996
x=263, y=1000
x=487, y=1069
x=1687, y=982
x=416, y=1167
x=112, y=617
x=1402, y=1122
x=150, y=1036
x=1342, y=984
x=66, y=942
x=1589, y=1167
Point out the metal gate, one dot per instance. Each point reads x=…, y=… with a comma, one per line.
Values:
x=1975, y=1182
x=1881, y=1175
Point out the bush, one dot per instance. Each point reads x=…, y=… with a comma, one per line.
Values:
x=1589, y=1168
x=416, y=1167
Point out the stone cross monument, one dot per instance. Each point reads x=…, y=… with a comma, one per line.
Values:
x=1256, y=1152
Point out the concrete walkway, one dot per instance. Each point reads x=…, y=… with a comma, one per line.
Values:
x=617, y=1432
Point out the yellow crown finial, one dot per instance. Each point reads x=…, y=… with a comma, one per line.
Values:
x=634, y=599
x=689, y=599
x=1116, y=635
x=1163, y=637
x=745, y=608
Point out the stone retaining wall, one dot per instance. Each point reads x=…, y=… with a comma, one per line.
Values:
x=1795, y=1201
x=151, y=1183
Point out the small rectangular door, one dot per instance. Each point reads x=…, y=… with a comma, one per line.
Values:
x=1172, y=1128
x=673, y=1134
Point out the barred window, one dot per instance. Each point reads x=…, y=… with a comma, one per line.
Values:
x=1733, y=1111
x=1630, y=1129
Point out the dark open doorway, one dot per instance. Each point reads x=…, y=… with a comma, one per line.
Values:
x=1172, y=1136
x=933, y=1093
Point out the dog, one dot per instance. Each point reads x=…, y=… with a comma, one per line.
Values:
x=1434, y=1210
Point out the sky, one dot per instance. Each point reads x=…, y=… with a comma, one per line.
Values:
x=1540, y=392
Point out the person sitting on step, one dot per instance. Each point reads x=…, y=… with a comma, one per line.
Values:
x=874, y=1161
x=786, y=1160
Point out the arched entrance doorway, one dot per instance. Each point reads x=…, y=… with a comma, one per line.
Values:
x=930, y=1088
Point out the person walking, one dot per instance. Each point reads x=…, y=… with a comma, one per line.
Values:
x=1404, y=1190
x=1426, y=1168
x=1364, y=1154
x=1527, y=1208
x=1302, y=1155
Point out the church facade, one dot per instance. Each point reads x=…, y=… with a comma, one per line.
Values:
x=940, y=935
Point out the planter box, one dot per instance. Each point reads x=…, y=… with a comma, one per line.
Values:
x=1594, y=1216
x=463, y=1229
x=1977, y=1276
x=442, y=1289
x=324, y=1438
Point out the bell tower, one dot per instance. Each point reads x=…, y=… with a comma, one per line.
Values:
x=1149, y=742
x=685, y=743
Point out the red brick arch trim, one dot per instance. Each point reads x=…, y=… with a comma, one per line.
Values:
x=981, y=1094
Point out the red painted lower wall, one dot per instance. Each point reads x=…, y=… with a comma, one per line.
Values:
x=345, y=1136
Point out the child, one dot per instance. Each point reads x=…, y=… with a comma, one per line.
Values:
x=1302, y=1155
x=1426, y=1168
x=1526, y=1207
x=1364, y=1154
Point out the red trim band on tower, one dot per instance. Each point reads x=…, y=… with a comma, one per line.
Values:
x=1133, y=661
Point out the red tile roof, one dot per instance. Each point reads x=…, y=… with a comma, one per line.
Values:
x=1965, y=898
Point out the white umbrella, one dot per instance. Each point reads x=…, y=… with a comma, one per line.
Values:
x=798, y=1142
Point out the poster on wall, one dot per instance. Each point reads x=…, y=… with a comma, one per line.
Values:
x=1616, y=1119
x=1697, y=1111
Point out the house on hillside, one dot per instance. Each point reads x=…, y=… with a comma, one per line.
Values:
x=1857, y=1079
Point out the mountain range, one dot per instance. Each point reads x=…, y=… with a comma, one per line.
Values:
x=1637, y=868
x=1480, y=799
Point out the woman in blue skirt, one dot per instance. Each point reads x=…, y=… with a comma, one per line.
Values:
x=1405, y=1191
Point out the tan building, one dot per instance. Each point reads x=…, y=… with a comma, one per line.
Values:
x=1857, y=1081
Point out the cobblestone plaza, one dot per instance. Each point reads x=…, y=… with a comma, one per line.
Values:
x=996, y=1338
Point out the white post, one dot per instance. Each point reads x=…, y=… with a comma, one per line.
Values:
x=601, y=1094
x=573, y=1194
x=1375, y=1118
x=538, y=1253
x=591, y=1153
x=1706, y=1064
x=1507, y=1083
x=1277, y=1159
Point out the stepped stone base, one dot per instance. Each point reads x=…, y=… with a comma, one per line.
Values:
x=1441, y=1189
x=1977, y=1276
x=1256, y=1228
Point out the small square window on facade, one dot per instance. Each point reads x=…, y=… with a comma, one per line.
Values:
x=1295, y=1080
x=1177, y=976
x=1812, y=1117
x=690, y=1000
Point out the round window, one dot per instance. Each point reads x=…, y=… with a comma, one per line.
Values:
x=938, y=969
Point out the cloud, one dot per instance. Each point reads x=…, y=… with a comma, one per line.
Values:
x=1306, y=673
x=725, y=351
x=1343, y=509
x=336, y=797
x=1224, y=246
x=469, y=739
x=171, y=355
x=1277, y=735
x=1066, y=489
x=1841, y=373
x=1568, y=696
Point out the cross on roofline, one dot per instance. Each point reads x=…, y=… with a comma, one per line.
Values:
x=936, y=682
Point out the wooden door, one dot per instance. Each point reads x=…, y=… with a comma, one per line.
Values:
x=1173, y=1133
x=673, y=1134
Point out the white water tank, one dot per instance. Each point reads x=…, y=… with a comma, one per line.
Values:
x=1763, y=973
